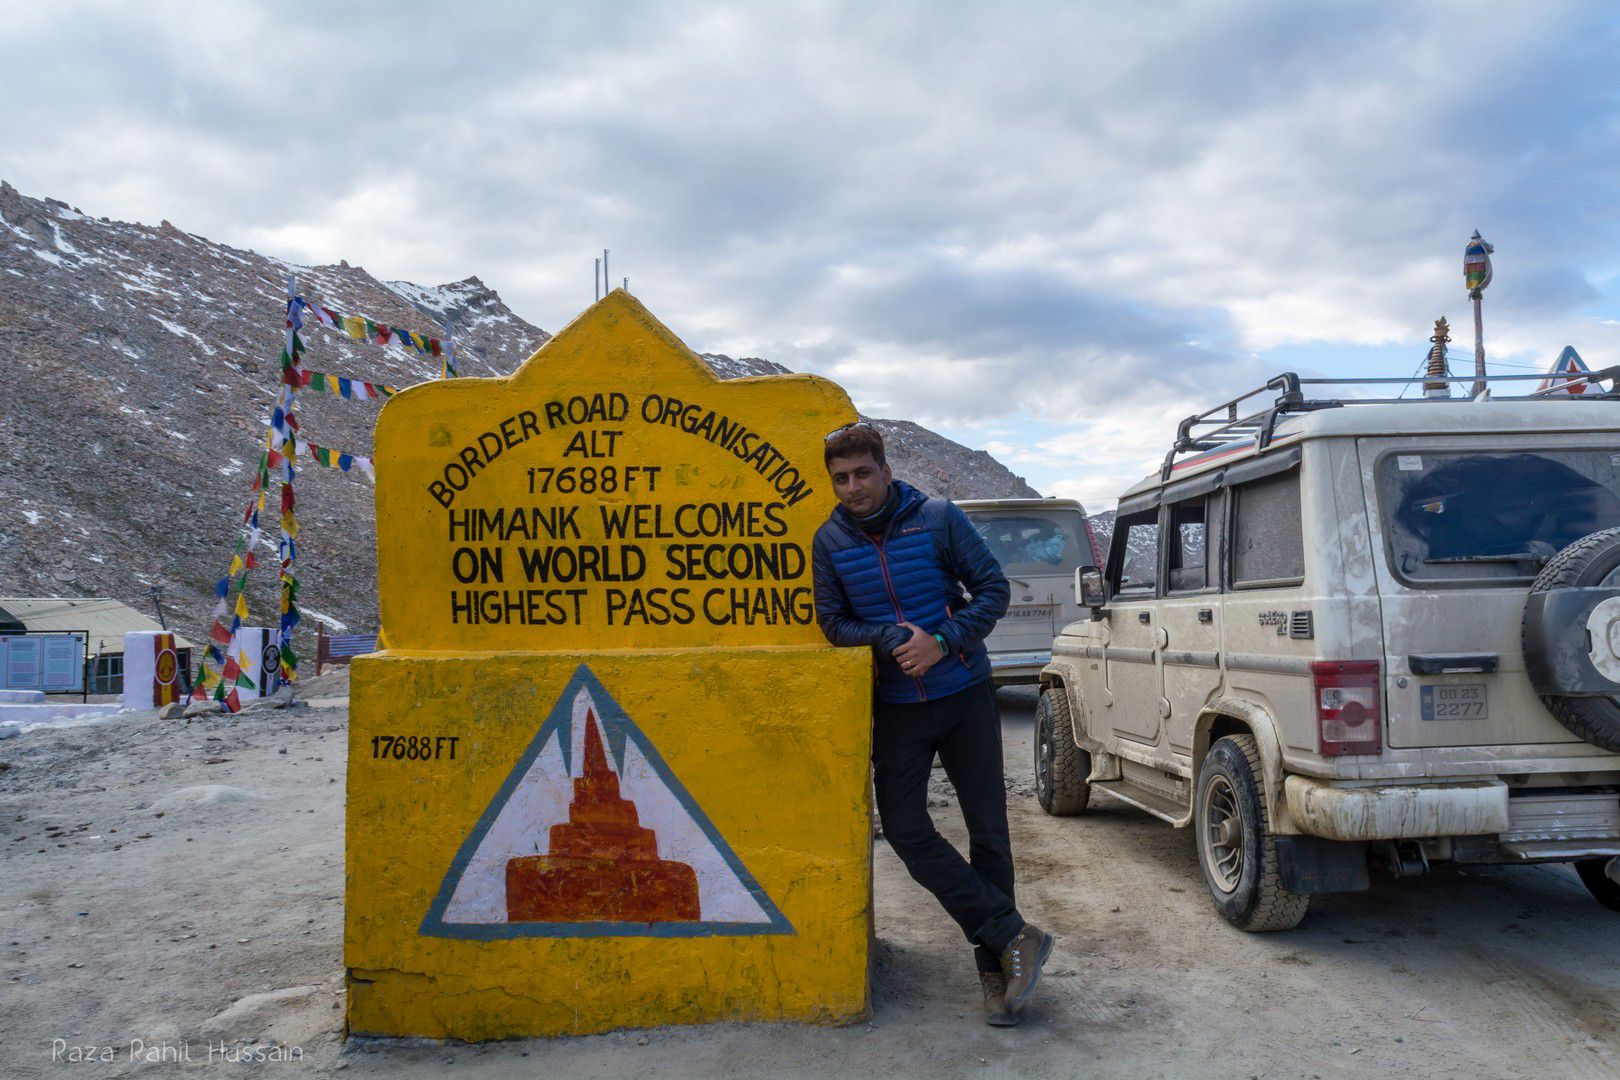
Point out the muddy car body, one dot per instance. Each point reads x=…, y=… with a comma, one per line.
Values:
x=1335, y=634
x=1039, y=544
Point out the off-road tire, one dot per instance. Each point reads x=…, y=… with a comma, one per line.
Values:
x=1060, y=779
x=1593, y=875
x=1586, y=562
x=1258, y=903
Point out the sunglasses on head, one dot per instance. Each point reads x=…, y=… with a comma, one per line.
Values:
x=835, y=432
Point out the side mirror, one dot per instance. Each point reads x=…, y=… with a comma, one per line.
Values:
x=1090, y=588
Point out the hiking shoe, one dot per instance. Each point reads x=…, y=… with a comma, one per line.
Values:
x=996, y=1013
x=1022, y=962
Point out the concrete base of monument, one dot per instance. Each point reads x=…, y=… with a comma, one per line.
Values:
x=564, y=843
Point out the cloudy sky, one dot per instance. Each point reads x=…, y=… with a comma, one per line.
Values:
x=1048, y=230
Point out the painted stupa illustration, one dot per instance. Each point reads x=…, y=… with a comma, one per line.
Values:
x=602, y=866
x=592, y=833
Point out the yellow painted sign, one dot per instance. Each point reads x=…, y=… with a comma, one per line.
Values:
x=744, y=767
x=612, y=493
x=606, y=772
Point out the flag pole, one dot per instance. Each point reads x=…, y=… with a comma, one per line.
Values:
x=1477, y=275
x=447, y=369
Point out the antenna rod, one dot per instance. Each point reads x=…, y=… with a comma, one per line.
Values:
x=625, y=285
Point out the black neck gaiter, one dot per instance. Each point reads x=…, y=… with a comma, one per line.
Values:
x=880, y=520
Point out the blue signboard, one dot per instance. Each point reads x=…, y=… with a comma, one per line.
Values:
x=53, y=663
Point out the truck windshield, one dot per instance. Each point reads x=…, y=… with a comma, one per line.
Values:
x=1033, y=543
x=1458, y=516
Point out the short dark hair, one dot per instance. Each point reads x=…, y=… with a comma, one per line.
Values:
x=855, y=441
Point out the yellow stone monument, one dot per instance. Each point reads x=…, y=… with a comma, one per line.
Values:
x=605, y=771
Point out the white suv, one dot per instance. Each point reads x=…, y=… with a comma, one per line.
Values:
x=1039, y=543
x=1339, y=631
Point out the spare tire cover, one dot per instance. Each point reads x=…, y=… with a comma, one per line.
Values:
x=1591, y=562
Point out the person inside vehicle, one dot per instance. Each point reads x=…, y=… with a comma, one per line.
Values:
x=1044, y=545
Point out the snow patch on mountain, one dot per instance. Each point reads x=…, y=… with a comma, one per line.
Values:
x=141, y=366
x=727, y=367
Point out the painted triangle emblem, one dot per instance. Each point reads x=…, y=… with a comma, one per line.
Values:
x=1566, y=370
x=593, y=835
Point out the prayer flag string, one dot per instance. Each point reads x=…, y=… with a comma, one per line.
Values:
x=363, y=329
x=223, y=670
x=337, y=459
x=343, y=387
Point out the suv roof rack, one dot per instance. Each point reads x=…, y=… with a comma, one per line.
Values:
x=1226, y=427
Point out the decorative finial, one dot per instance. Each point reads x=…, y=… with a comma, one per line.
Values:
x=1439, y=386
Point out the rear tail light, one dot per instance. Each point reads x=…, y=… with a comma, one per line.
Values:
x=1349, y=706
x=1097, y=558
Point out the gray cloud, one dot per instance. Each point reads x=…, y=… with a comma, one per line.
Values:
x=963, y=211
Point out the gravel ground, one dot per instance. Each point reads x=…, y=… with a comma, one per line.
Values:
x=181, y=884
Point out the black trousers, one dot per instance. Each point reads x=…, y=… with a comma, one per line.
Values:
x=965, y=730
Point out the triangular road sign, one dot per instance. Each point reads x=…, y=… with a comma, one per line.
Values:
x=593, y=835
x=1568, y=364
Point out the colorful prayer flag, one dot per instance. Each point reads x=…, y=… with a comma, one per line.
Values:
x=1477, y=264
x=361, y=328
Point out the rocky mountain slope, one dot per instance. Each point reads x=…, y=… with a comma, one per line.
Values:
x=924, y=458
x=137, y=367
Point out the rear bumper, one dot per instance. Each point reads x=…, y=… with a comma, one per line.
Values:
x=1396, y=811
x=1018, y=667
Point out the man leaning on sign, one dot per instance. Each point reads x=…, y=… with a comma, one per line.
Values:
x=891, y=567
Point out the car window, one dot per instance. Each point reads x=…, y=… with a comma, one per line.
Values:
x=1484, y=516
x=1189, y=546
x=1137, y=561
x=1268, y=546
x=1031, y=543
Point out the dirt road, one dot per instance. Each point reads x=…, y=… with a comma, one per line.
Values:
x=181, y=885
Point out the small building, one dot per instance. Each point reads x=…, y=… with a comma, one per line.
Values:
x=35, y=633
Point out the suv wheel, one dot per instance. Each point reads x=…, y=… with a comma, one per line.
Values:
x=1061, y=767
x=1591, y=562
x=1235, y=845
x=1594, y=874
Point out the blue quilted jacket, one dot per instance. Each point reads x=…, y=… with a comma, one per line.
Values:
x=915, y=572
